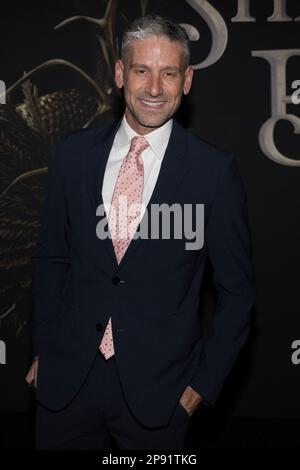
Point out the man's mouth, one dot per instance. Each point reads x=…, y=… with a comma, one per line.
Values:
x=152, y=103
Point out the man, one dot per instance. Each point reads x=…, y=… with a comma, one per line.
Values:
x=117, y=334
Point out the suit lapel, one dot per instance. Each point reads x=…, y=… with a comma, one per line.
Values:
x=172, y=172
x=95, y=168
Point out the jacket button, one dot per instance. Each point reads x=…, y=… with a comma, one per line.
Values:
x=115, y=280
x=99, y=326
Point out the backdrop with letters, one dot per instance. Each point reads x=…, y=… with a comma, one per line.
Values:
x=56, y=74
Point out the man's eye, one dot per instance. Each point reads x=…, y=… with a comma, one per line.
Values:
x=170, y=74
x=140, y=71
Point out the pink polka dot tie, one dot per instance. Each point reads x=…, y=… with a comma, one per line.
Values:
x=124, y=216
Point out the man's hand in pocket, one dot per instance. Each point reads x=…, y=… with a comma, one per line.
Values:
x=31, y=377
x=190, y=400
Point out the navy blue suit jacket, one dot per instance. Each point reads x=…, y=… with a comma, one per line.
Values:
x=153, y=295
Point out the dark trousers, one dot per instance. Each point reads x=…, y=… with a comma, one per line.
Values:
x=99, y=418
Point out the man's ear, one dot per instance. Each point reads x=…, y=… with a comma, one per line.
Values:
x=188, y=77
x=119, y=73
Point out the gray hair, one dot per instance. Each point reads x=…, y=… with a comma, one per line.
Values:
x=155, y=25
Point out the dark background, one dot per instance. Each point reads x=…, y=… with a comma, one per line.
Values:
x=228, y=104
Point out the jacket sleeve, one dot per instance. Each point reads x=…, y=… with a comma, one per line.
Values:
x=51, y=259
x=228, y=243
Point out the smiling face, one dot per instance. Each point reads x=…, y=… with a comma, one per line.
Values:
x=154, y=77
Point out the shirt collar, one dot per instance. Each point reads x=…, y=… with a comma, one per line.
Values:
x=158, y=139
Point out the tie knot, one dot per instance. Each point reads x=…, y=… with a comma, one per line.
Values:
x=138, y=145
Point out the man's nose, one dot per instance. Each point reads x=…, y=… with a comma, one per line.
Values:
x=154, y=85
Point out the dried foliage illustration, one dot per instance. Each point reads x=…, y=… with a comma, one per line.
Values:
x=29, y=132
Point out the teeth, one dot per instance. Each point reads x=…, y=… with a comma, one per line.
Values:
x=152, y=104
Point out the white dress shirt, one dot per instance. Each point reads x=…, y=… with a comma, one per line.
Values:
x=152, y=160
